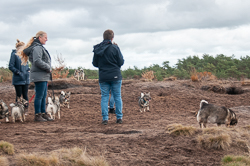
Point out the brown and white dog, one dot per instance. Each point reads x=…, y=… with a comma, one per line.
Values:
x=144, y=101
x=4, y=111
x=17, y=110
x=53, y=107
x=215, y=114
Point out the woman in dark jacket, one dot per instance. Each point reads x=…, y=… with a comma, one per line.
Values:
x=20, y=78
x=40, y=72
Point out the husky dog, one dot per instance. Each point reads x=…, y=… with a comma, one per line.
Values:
x=215, y=114
x=144, y=101
x=4, y=111
x=64, y=98
x=17, y=110
x=53, y=107
x=79, y=74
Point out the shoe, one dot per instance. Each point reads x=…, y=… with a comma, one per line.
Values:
x=119, y=121
x=47, y=117
x=111, y=111
x=104, y=122
x=39, y=118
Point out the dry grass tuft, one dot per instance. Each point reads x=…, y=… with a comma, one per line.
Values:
x=178, y=129
x=235, y=160
x=62, y=157
x=220, y=141
x=7, y=148
x=4, y=161
x=37, y=160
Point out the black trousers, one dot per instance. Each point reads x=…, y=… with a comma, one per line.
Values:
x=22, y=90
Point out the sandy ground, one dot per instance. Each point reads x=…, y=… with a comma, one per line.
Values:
x=142, y=139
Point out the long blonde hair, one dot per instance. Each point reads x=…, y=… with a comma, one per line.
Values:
x=21, y=54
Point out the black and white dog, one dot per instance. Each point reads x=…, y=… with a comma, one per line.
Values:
x=4, y=111
x=144, y=101
x=17, y=109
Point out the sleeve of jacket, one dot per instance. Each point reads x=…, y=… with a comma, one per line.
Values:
x=120, y=60
x=12, y=63
x=37, y=59
x=95, y=60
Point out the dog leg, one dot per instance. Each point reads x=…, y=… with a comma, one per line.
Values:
x=140, y=110
x=59, y=116
x=23, y=117
x=7, y=119
x=144, y=109
x=13, y=119
x=148, y=108
x=68, y=105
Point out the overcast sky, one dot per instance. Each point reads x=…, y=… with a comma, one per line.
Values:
x=147, y=31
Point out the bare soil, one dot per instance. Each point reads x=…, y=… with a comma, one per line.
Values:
x=142, y=139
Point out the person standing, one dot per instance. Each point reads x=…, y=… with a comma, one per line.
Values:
x=20, y=78
x=40, y=72
x=108, y=59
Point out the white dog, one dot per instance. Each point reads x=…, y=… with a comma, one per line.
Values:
x=17, y=110
x=53, y=107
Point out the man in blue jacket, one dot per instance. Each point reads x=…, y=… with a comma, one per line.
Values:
x=108, y=58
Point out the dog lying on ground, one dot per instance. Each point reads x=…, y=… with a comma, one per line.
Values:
x=215, y=114
x=144, y=101
x=64, y=98
x=17, y=110
x=4, y=111
x=53, y=107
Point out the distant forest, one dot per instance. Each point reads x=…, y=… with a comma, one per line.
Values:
x=221, y=66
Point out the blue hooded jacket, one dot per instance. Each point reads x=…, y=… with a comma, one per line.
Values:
x=108, y=58
x=20, y=72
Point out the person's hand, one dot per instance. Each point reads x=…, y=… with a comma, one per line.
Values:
x=115, y=43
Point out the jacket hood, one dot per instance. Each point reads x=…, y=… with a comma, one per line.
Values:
x=100, y=48
x=28, y=50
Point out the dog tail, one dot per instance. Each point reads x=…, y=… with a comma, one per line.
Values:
x=202, y=103
x=12, y=105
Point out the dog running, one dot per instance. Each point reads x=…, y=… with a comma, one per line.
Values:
x=144, y=101
x=64, y=98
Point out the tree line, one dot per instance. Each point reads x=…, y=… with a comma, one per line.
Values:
x=221, y=66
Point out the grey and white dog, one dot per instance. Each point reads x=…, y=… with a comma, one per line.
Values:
x=17, y=110
x=4, y=111
x=144, y=101
x=53, y=107
x=215, y=114
x=64, y=98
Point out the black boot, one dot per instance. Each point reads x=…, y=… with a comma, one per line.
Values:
x=39, y=118
x=47, y=117
x=111, y=111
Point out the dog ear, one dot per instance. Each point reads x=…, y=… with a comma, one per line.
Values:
x=142, y=94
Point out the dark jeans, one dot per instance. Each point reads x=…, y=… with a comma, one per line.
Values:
x=22, y=90
x=40, y=98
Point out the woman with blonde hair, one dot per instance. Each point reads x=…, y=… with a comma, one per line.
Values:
x=20, y=78
x=40, y=72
